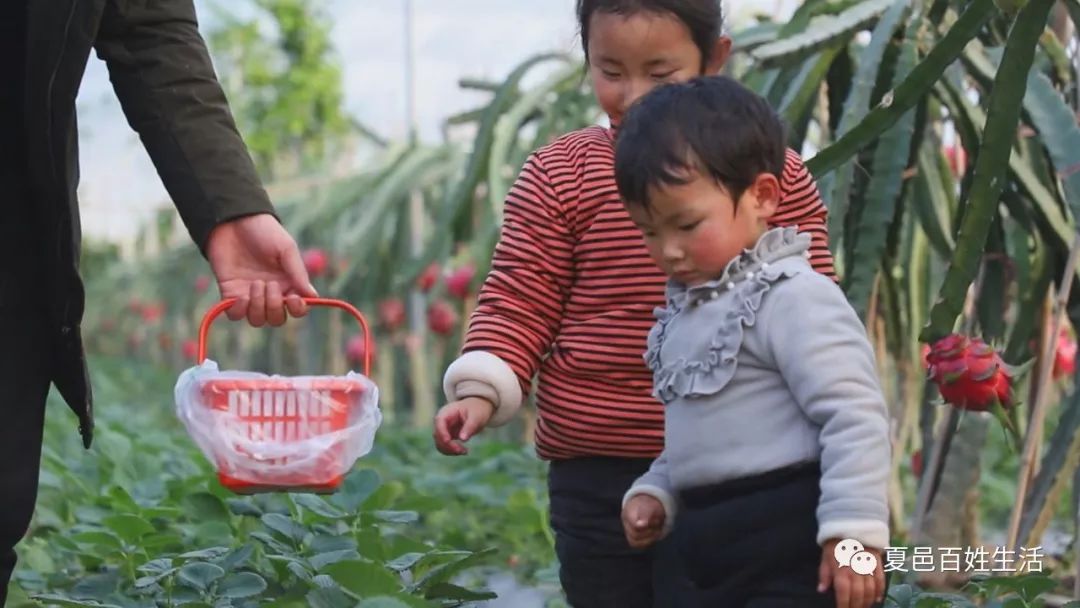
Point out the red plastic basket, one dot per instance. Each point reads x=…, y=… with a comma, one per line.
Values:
x=282, y=411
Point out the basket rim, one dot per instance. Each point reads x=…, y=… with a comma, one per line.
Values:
x=283, y=383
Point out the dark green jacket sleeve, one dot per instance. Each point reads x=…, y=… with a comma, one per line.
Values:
x=162, y=74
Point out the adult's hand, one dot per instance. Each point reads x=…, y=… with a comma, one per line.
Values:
x=256, y=261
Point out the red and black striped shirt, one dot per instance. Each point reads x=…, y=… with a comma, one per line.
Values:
x=572, y=290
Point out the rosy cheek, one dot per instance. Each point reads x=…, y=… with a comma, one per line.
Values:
x=706, y=248
x=607, y=94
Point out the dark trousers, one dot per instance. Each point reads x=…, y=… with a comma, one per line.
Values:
x=752, y=542
x=597, y=568
x=24, y=385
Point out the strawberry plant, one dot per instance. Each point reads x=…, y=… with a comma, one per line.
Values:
x=141, y=521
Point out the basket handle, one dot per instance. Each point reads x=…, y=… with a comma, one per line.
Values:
x=220, y=307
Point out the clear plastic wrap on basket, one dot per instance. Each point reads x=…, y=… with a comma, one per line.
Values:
x=278, y=433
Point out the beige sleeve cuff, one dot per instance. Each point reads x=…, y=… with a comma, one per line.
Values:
x=482, y=374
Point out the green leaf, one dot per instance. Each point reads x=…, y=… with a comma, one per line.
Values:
x=272, y=543
x=886, y=182
x=990, y=165
x=161, y=542
x=371, y=539
x=356, y=489
x=318, y=506
x=155, y=578
x=804, y=89
x=299, y=570
x=204, y=506
x=898, y=596
x=240, y=506
x=156, y=566
x=200, y=575
x=284, y=526
x=933, y=601
x=235, y=558
x=363, y=578
x=837, y=186
x=185, y=596
x=38, y=559
x=508, y=126
x=932, y=203
x=122, y=500
x=211, y=553
x=320, y=561
x=360, y=235
x=910, y=92
x=382, y=602
x=1045, y=200
x=397, y=517
x=53, y=599
x=450, y=591
x=463, y=188
x=325, y=543
x=822, y=31
x=751, y=37
x=1056, y=124
x=244, y=584
x=444, y=572
x=207, y=532
x=329, y=598
x=405, y=562
x=1032, y=586
x=98, y=539
x=96, y=586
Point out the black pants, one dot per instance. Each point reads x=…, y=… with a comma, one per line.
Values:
x=24, y=384
x=752, y=541
x=598, y=569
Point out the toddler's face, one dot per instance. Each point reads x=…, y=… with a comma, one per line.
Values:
x=629, y=55
x=693, y=230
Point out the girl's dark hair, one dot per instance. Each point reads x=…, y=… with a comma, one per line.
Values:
x=704, y=18
x=710, y=126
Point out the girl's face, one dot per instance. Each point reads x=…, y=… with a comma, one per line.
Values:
x=693, y=230
x=631, y=54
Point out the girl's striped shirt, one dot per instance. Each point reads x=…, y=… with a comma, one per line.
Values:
x=572, y=290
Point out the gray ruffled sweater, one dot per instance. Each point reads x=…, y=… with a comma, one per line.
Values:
x=765, y=367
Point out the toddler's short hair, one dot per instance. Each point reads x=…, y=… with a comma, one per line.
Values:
x=710, y=126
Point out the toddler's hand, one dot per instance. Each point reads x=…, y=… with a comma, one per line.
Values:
x=643, y=520
x=853, y=590
x=458, y=421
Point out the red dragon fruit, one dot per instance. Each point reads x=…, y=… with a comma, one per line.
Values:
x=190, y=349
x=356, y=348
x=1065, y=355
x=428, y=277
x=441, y=318
x=316, y=262
x=969, y=373
x=459, y=281
x=392, y=313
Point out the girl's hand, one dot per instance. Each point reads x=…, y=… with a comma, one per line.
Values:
x=853, y=590
x=643, y=520
x=458, y=421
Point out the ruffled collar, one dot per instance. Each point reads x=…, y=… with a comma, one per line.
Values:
x=776, y=244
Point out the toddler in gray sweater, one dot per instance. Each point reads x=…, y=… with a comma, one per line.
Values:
x=776, y=455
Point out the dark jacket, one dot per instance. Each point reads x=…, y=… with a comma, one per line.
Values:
x=161, y=72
